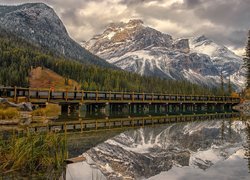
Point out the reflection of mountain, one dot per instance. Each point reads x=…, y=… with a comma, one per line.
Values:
x=147, y=152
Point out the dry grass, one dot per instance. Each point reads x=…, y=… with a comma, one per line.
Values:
x=36, y=152
x=39, y=112
x=50, y=110
x=9, y=113
x=45, y=78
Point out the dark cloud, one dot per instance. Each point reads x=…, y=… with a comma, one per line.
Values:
x=225, y=21
x=192, y=3
x=234, y=13
x=237, y=37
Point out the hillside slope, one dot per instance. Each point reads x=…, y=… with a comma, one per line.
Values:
x=45, y=78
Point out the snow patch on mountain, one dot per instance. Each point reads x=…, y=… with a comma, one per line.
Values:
x=137, y=48
x=234, y=167
x=146, y=152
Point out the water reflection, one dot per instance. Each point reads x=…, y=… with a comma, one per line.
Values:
x=88, y=171
x=206, y=149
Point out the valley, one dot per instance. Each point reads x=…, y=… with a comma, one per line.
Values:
x=122, y=90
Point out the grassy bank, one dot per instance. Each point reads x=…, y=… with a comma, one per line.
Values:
x=33, y=154
x=8, y=113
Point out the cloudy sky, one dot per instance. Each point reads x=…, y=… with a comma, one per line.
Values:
x=225, y=21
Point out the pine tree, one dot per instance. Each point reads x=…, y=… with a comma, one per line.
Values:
x=247, y=62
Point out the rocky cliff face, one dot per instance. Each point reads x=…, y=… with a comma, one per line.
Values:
x=40, y=25
x=135, y=47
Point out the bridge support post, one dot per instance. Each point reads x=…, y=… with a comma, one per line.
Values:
x=222, y=107
x=170, y=108
x=68, y=108
x=152, y=108
x=228, y=107
x=139, y=109
x=107, y=109
x=178, y=108
x=166, y=108
x=162, y=108
x=195, y=108
x=206, y=107
x=192, y=107
x=64, y=109
x=131, y=108
x=183, y=108
x=73, y=108
x=174, y=108
x=82, y=110
x=212, y=107
x=218, y=108
x=145, y=108
x=158, y=108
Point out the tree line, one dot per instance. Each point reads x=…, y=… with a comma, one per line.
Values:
x=18, y=57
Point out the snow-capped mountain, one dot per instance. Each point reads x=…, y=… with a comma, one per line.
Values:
x=146, y=152
x=138, y=48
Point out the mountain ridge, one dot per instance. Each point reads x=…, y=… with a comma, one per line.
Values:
x=132, y=46
x=39, y=24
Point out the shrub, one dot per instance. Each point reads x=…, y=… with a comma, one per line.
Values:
x=9, y=113
x=50, y=110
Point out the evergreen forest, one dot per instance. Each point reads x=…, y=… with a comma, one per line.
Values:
x=18, y=57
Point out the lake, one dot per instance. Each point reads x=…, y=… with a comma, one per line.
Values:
x=215, y=148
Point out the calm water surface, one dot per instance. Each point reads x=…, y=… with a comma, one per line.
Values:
x=214, y=149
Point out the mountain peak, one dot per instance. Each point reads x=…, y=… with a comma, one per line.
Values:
x=135, y=22
x=123, y=37
x=38, y=4
x=201, y=38
x=131, y=23
x=135, y=47
x=34, y=16
x=39, y=24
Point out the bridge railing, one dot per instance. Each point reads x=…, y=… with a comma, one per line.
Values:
x=80, y=95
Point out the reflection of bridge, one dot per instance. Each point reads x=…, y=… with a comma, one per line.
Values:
x=94, y=101
x=123, y=123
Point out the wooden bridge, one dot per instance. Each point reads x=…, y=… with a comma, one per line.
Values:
x=80, y=96
x=118, y=101
x=86, y=125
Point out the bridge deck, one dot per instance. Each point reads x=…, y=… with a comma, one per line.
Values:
x=80, y=96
